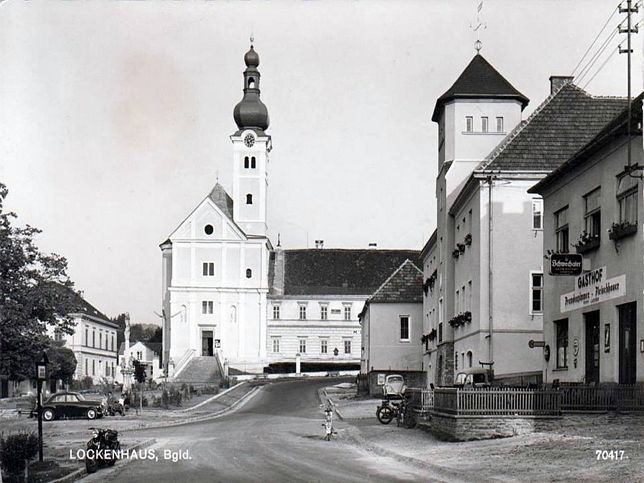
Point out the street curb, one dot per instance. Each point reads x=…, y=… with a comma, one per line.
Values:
x=234, y=406
x=213, y=398
x=82, y=472
x=326, y=399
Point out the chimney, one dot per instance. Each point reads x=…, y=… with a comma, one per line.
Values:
x=319, y=243
x=557, y=81
x=373, y=245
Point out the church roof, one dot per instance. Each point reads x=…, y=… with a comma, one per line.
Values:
x=564, y=122
x=479, y=80
x=223, y=201
x=404, y=285
x=330, y=271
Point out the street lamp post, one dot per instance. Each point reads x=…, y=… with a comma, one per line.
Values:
x=41, y=375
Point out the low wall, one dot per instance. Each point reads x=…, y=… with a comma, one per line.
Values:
x=467, y=428
x=412, y=379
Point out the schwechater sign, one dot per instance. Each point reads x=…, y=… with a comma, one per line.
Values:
x=591, y=288
x=565, y=264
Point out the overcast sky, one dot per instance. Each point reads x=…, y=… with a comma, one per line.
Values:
x=116, y=116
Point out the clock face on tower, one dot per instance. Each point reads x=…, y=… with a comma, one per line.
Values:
x=249, y=140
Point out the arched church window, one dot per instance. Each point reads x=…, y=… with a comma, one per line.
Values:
x=208, y=229
x=469, y=358
x=251, y=82
x=249, y=199
x=246, y=162
x=252, y=163
x=249, y=273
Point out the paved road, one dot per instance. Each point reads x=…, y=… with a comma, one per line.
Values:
x=275, y=437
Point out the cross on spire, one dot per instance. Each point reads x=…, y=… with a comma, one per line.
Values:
x=480, y=25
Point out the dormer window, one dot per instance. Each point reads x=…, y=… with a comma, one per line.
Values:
x=246, y=163
x=249, y=199
x=469, y=123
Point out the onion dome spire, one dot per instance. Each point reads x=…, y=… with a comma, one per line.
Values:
x=250, y=112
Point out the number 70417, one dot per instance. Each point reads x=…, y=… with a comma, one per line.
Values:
x=613, y=454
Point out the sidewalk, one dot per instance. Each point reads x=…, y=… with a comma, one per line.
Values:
x=568, y=453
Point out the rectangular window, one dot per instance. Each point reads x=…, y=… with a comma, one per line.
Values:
x=536, y=292
x=207, y=307
x=276, y=312
x=86, y=337
x=100, y=340
x=499, y=124
x=469, y=123
x=404, y=327
x=107, y=370
x=592, y=213
x=347, y=347
x=469, y=296
x=276, y=344
x=93, y=337
x=537, y=214
x=457, y=302
x=302, y=312
x=113, y=342
x=484, y=124
x=347, y=312
x=561, y=330
x=627, y=199
x=93, y=367
x=302, y=346
x=86, y=367
x=208, y=269
x=324, y=314
x=561, y=230
x=440, y=332
x=323, y=346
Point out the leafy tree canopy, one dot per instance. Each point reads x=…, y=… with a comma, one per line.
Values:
x=35, y=293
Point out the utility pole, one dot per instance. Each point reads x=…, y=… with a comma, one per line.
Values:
x=630, y=29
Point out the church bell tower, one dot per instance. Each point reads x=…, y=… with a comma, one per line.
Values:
x=251, y=146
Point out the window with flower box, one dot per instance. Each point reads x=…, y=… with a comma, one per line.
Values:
x=592, y=213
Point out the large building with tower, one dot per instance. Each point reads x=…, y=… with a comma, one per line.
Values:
x=483, y=266
x=232, y=301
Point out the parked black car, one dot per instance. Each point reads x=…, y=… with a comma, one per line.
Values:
x=70, y=405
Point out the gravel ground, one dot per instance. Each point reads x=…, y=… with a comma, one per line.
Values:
x=567, y=453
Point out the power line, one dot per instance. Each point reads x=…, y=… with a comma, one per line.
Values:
x=593, y=42
x=599, y=52
x=615, y=50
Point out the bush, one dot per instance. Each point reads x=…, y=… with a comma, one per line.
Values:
x=209, y=389
x=15, y=449
x=81, y=385
x=135, y=400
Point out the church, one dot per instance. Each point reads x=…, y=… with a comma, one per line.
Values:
x=234, y=302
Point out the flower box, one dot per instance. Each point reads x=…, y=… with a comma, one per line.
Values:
x=621, y=230
x=468, y=239
x=587, y=243
x=456, y=253
x=461, y=247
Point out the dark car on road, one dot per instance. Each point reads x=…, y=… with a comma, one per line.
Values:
x=70, y=405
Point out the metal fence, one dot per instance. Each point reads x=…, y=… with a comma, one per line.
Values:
x=602, y=398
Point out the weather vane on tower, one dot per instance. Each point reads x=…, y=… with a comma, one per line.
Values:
x=478, y=45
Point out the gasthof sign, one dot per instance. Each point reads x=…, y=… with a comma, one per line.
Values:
x=591, y=288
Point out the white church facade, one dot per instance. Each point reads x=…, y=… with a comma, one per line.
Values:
x=232, y=302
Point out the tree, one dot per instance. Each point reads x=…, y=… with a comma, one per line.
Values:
x=62, y=362
x=35, y=293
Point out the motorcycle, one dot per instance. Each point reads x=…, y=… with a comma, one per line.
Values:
x=101, y=449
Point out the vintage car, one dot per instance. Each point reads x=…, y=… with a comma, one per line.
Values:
x=71, y=405
x=394, y=386
x=474, y=377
